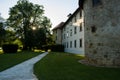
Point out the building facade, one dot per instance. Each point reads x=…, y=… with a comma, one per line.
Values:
x=57, y=33
x=73, y=33
x=102, y=36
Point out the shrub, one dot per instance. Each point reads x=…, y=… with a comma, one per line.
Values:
x=45, y=47
x=10, y=48
x=55, y=48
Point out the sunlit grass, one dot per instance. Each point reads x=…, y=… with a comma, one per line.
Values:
x=80, y=55
x=1, y=51
x=65, y=66
x=19, y=50
x=38, y=50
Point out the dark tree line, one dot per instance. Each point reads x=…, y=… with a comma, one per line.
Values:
x=2, y=33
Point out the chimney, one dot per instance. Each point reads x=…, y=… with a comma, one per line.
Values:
x=69, y=15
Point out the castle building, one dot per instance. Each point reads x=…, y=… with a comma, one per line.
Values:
x=93, y=30
x=101, y=30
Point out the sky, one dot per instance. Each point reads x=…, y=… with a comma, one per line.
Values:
x=55, y=10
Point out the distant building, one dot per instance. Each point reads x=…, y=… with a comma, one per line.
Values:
x=71, y=33
x=57, y=33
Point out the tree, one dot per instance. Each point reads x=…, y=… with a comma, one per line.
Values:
x=10, y=37
x=29, y=23
x=2, y=33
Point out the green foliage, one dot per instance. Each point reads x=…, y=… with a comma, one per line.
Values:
x=29, y=23
x=65, y=66
x=9, y=37
x=17, y=41
x=2, y=33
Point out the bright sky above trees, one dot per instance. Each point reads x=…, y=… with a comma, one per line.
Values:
x=56, y=10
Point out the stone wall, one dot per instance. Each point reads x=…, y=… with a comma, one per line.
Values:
x=102, y=32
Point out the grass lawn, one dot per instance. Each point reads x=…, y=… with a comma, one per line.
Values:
x=9, y=60
x=62, y=66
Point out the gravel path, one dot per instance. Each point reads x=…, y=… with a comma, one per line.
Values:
x=22, y=71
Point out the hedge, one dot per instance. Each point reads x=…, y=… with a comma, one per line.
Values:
x=10, y=48
x=55, y=48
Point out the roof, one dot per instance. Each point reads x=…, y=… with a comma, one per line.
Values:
x=59, y=26
x=62, y=24
x=76, y=11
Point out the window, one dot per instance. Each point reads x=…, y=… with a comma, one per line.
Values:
x=75, y=30
x=96, y=2
x=80, y=27
x=70, y=44
x=93, y=29
x=67, y=44
x=71, y=32
x=75, y=43
x=80, y=43
x=67, y=34
x=64, y=36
